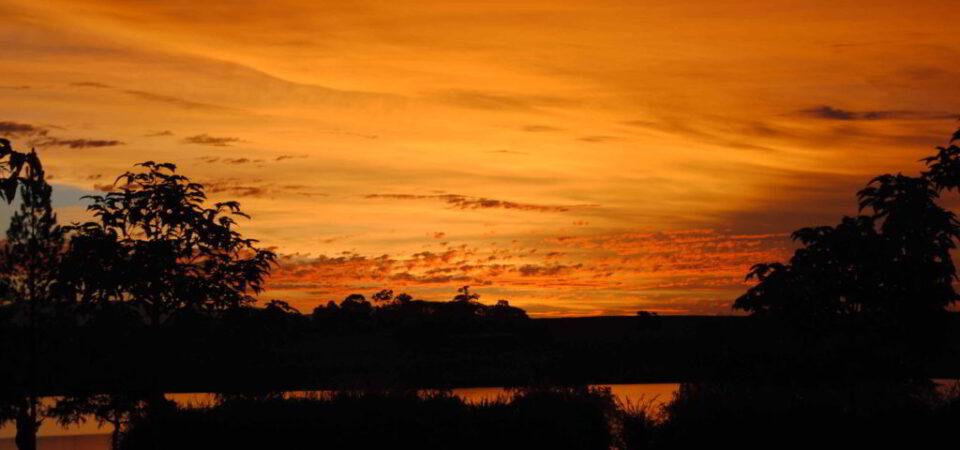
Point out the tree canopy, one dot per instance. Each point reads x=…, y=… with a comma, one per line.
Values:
x=893, y=259
x=160, y=249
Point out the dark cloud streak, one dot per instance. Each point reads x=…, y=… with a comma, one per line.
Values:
x=466, y=202
x=40, y=137
x=206, y=139
x=827, y=112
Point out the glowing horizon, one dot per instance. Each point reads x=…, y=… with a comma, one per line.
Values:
x=572, y=157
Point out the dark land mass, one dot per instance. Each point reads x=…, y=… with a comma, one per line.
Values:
x=290, y=353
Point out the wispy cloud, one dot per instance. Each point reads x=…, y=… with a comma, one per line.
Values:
x=17, y=129
x=153, y=97
x=598, y=139
x=174, y=101
x=827, y=112
x=40, y=137
x=237, y=187
x=508, y=152
x=286, y=157
x=91, y=84
x=206, y=139
x=540, y=129
x=497, y=101
x=467, y=202
x=80, y=143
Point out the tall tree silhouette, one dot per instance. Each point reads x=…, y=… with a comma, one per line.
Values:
x=29, y=264
x=894, y=261
x=162, y=250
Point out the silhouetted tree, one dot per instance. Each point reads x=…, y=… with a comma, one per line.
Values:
x=383, y=297
x=162, y=250
x=29, y=265
x=893, y=264
x=281, y=307
x=464, y=295
x=504, y=312
x=838, y=271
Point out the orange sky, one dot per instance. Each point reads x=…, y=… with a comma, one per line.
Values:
x=573, y=157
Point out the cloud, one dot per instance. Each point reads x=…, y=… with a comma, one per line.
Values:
x=338, y=238
x=153, y=97
x=530, y=270
x=80, y=143
x=174, y=101
x=827, y=112
x=41, y=136
x=540, y=129
x=698, y=132
x=495, y=101
x=350, y=133
x=661, y=270
x=466, y=202
x=235, y=189
x=206, y=139
x=233, y=161
x=286, y=157
x=256, y=188
x=91, y=84
x=597, y=139
x=508, y=152
x=159, y=133
x=16, y=129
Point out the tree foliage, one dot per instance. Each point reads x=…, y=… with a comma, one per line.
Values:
x=159, y=249
x=894, y=259
x=12, y=164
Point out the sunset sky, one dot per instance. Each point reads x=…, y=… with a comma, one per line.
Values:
x=572, y=157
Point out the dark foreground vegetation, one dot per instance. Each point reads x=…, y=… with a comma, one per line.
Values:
x=700, y=415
